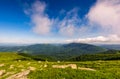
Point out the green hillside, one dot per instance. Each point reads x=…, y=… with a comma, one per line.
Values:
x=107, y=55
x=59, y=52
x=19, y=66
x=12, y=56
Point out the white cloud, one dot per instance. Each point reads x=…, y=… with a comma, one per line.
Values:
x=43, y=25
x=72, y=24
x=106, y=13
x=41, y=22
x=68, y=25
x=99, y=39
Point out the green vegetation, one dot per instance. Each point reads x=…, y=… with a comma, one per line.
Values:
x=58, y=52
x=107, y=55
x=68, y=61
x=38, y=57
x=93, y=57
x=7, y=56
x=13, y=63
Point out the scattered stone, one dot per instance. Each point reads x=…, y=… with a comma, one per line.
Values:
x=8, y=73
x=11, y=66
x=2, y=72
x=39, y=61
x=1, y=65
x=86, y=69
x=32, y=68
x=58, y=61
x=45, y=65
x=21, y=75
x=60, y=66
x=19, y=60
x=73, y=66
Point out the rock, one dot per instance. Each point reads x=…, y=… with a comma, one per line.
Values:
x=8, y=73
x=45, y=65
x=11, y=66
x=2, y=72
x=39, y=61
x=59, y=66
x=1, y=65
x=73, y=66
x=21, y=75
x=86, y=69
x=19, y=60
x=58, y=61
x=32, y=68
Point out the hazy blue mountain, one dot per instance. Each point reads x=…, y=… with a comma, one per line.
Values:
x=114, y=46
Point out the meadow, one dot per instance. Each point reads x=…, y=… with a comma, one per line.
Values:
x=14, y=66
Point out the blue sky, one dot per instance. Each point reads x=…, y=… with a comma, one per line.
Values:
x=59, y=21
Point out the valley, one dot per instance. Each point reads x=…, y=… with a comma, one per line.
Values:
x=71, y=64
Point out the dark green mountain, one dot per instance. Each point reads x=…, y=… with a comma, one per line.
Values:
x=107, y=55
x=61, y=51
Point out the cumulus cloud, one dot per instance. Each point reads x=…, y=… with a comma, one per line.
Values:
x=43, y=25
x=106, y=13
x=98, y=39
x=41, y=22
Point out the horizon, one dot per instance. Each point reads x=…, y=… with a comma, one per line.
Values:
x=56, y=22
x=16, y=44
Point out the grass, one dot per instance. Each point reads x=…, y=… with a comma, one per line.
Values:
x=15, y=63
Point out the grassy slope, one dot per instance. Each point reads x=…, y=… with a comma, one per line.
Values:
x=104, y=69
x=7, y=56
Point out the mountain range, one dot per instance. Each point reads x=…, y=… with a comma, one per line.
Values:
x=111, y=46
x=59, y=51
